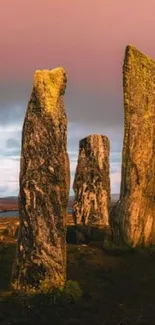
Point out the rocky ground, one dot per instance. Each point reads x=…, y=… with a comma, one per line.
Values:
x=118, y=287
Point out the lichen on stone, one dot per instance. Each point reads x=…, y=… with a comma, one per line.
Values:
x=44, y=187
x=92, y=182
x=133, y=218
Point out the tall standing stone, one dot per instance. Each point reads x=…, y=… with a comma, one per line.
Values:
x=133, y=217
x=92, y=182
x=44, y=187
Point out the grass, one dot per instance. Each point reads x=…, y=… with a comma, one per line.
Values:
x=118, y=287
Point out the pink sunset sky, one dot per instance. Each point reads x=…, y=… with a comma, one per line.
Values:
x=86, y=37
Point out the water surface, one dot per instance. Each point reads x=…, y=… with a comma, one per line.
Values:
x=15, y=213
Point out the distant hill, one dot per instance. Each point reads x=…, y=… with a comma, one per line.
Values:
x=11, y=202
x=114, y=197
x=9, y=198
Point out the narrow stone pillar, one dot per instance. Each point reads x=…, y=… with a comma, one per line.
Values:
x=40, y=262
x=133, y=218
x=92, y=182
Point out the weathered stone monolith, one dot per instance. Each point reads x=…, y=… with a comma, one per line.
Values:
x=40, y=262
x=133, y=218
x=92, y=182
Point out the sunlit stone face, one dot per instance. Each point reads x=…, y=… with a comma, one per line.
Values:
x=44, y=187
x=92, y=183
x=133, y=219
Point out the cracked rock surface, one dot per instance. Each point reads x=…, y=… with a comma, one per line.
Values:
x=133, y=218
x=40, y=262
x=92, y=182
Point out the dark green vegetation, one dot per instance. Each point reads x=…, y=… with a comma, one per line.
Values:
x=117, y=285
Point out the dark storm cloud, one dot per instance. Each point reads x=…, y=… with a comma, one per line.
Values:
x=85, y=106
x=77, y=131
x=10, y=153
x=12, y=143
x=14, y=98
x=101, y=108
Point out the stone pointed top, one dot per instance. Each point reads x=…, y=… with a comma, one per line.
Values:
x=95, y=140
x=48, y=85
x=44, y=72
x=93, y=136
x=132, y=50
x=133, y=218
x=92, y=184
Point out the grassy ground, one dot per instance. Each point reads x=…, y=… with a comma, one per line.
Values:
x=118, y=288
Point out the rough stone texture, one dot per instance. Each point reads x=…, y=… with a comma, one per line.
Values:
x=133, y=218
x=44, y=187
x=92, y=182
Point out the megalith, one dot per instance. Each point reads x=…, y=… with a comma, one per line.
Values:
x=40, y=262
x=92, y=183
x=133, y=218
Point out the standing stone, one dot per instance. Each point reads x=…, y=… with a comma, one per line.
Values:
x=92, y=182
x=133, y=217
x=44, y=187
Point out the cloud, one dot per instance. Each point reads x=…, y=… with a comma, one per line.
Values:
x=12, y=143
x=10, y=147
x=9, y=171
x=101, y=108
x=115, y=167
x=14, y=98
x=115, y=182
x=10, y=140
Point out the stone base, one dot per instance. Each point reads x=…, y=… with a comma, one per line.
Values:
x=80, y=234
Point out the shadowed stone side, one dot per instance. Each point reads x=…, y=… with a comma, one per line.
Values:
x=133, y=218
x=40, y=262
x=92, y=182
